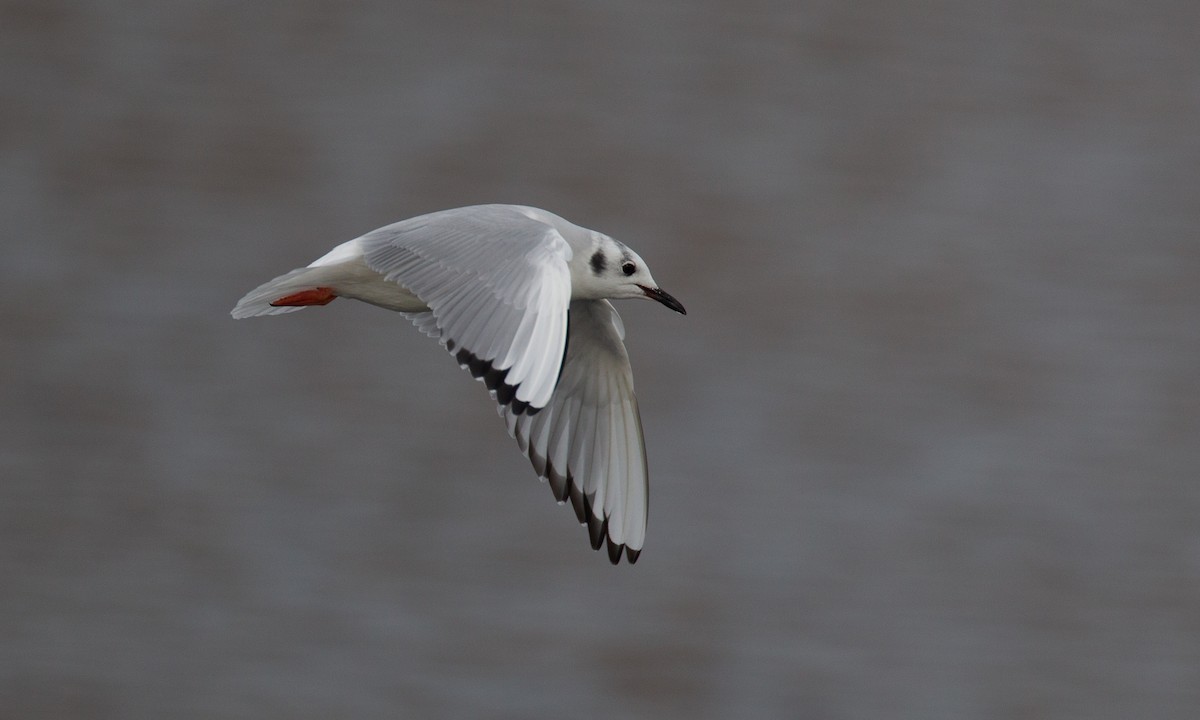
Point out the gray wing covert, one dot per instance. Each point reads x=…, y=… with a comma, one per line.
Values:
x=497, y=285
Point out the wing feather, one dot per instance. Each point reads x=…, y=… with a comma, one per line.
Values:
x=497, y=284
x=587, y=442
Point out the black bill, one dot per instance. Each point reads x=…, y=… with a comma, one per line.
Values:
x=664, y=298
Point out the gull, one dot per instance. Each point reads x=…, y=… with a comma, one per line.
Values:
x=520, y=298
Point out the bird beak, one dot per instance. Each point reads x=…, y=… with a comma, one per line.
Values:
x=664, y=298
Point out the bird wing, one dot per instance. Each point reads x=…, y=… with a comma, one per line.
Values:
x=587, y=442
x=497, y=285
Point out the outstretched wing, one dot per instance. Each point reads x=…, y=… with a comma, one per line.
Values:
x=588, y=441
x=497, y=284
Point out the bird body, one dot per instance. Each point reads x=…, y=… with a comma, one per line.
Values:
x=519, y=296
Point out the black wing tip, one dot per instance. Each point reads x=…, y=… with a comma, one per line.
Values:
x=559, y=485
x=484, y=370
x=564, y=487
x=614, y=552
x=597, y=530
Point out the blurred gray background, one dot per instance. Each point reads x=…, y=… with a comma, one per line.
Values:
x=926, y=446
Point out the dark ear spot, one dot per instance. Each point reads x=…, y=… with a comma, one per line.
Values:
x=598, y=262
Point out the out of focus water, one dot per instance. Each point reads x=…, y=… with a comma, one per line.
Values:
x=926, y=446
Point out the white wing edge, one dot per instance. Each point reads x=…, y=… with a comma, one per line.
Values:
x=587, y=443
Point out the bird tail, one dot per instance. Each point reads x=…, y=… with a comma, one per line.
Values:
x=287, y=293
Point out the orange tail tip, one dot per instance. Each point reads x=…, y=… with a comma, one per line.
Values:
x=312, y=296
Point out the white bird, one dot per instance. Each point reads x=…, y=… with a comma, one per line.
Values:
x=519, y=296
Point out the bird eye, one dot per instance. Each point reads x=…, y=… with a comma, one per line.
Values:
x=628, y=268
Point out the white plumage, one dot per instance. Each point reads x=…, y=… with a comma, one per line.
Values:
x=519, y=297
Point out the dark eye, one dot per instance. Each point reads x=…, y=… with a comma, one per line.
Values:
x=628, y=268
